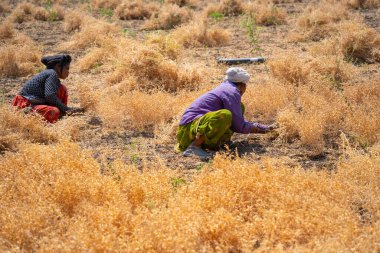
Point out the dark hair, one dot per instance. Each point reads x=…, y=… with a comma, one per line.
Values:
x=60, y=59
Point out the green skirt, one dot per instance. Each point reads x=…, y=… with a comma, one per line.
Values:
x=213, y=126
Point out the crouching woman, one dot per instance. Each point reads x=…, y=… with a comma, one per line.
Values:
x=44, y=93
x=211, y=120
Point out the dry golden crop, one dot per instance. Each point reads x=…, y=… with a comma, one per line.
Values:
x=66, y=204
x=135, y=10
x=169, y=16
x=19, y=55
x=266, y=13
x=318, y=22
x=109, y=179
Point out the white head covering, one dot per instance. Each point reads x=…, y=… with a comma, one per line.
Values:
x=237, y=75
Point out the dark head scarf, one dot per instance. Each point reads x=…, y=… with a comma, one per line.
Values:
x=51, y=61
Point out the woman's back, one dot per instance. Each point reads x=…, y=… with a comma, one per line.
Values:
x=41, y=85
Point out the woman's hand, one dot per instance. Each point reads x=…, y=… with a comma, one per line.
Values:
x=273, y=126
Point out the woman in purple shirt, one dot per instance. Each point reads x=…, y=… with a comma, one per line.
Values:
x=211, y=119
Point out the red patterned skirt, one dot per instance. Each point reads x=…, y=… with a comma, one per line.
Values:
x=50, y=113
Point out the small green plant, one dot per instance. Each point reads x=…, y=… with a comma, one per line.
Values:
x=150, y=204
x=48, y=4
x=177, y=182
x=53, y=15
x=96, y=65
x=2, y=96
x=217, y=16
x=253, y=32
x=134, y=158
x=106, y=12
x=199, y=167
x=39, y=69
x=130, y=33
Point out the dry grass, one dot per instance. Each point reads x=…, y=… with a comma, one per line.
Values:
x=40, y=13
x=136, y=10
x=182, y=3
x=313, y=107
x=92, y=33
x=267, y=99
x=314, y=116
x=51, y=205
x=365, y=4
x=23, y=12
x=17, y=127
x=290, y=69
x=334, y=68
x=266, y=13
x=6, y=30
x=153, y=71
x=167, y=45
x=19, y=55
x=137, y=110
x=106, y=4
x=355, y=42
x=169, y=16
x=359, y=43
x=73, y=21
x=231, y=7
x=198, y=33
x=362, y=120
x=4, y=7
x=317, y=21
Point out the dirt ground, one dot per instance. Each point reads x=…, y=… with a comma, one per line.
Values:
x=141, y=146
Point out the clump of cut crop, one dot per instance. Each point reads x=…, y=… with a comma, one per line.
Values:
x=105, y=4
x=99, y=55
x=136, y=10
x=167, y=45
x=362, y=120
x=182, y=3
x=19, y=56
x=334, y=68
x=266, y=14
x=73, y=21
x=17, y=126
x=169, y=16
x=70, y=128
x=290, y=69
x=23, y=12
x=268, y=98
x=152, y=70
x=316, y=114
x=26, y=11
x=92, y=33
x=359, y=43
x=4, y=7
x=40, y=13
x=317, y=21
x=362, y=4
x=56, y=13
x=136, y=109
x=6, y=30
x=198, y=33
x=231, y=7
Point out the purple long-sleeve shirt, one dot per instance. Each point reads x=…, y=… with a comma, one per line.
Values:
x=225, y=96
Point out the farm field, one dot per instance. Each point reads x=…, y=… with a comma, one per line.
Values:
x=110, y=180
